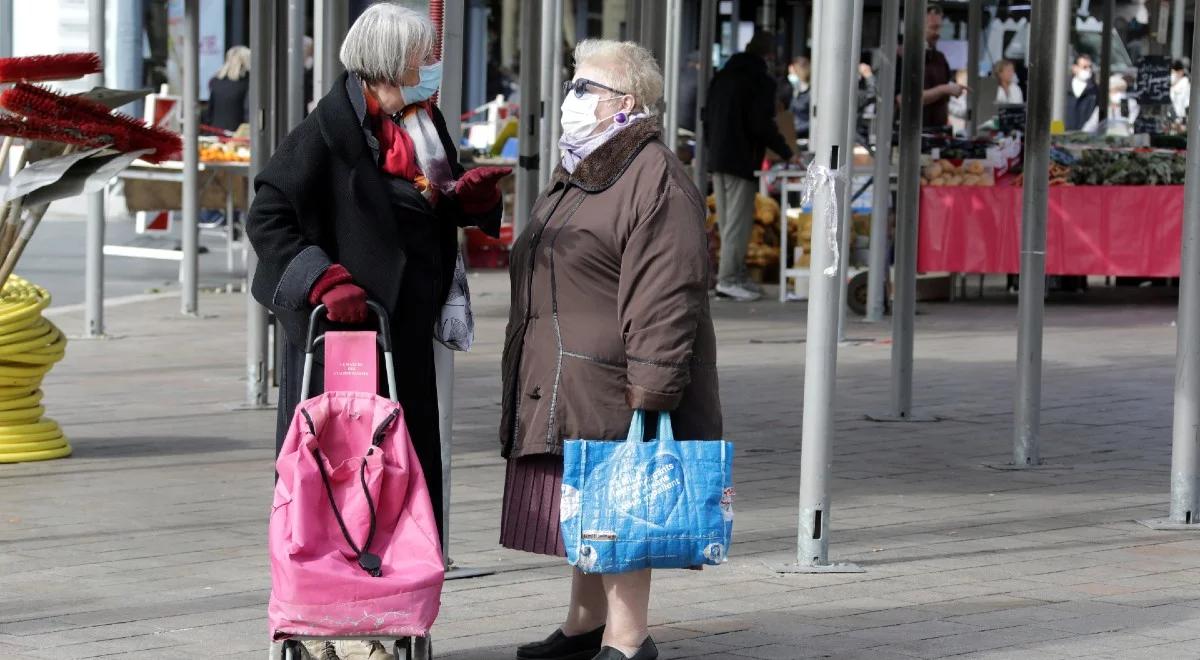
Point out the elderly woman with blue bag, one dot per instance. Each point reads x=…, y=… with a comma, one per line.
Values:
x=610, y=326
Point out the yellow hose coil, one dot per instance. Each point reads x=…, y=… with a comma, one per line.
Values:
x=29, y=346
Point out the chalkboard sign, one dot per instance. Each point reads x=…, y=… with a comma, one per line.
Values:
x=1011, y=118
x=1154, y=80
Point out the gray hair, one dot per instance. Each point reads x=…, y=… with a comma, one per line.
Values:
x=385, y=40
x=630, y=68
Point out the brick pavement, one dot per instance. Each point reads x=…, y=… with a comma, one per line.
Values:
x=149, y=543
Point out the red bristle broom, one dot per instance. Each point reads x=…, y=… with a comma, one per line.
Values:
x=39, y=68
x=129, y=134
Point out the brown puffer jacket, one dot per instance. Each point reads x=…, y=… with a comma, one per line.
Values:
x=610, y=303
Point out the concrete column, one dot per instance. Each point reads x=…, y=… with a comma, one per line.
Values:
x=330, y=23
x=294, y=65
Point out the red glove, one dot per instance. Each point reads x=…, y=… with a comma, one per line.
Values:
x=477, y=191
x=345, y=301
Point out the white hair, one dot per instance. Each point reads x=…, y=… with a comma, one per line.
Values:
x=385, y=40
x=237, y=64
x=630, y=67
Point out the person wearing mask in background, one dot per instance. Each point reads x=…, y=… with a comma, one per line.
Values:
x=1082, y=97
x=1181, y=90
x=740, y=121
x=1007, y=89
x=939, y=88
x=1122, y=110
x=797, y=95
x=959, y=105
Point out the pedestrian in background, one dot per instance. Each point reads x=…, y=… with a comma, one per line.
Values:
x=1181, y=89
x=938, y=86
x=229, y=92
x=740, y=123
x=1008, y=89
x=1082, y=97
x=363, y=200
x=609, y=314
x=798, y=94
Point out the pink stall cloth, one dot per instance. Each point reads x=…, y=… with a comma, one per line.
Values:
x=1090, y=230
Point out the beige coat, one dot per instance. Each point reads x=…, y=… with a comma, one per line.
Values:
x=610, y=304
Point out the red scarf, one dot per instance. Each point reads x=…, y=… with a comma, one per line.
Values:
x=397, y=155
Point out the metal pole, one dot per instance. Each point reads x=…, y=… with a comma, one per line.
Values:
x=877, y=275
x=908, y=208
x=820, y=362
x=1185, y=449
x=1109, y=12
x=450, y=101
x=708, y=30
x=974, y=31
x=295, y=63
x=1177, y=18
x=550, y=33
x=1031, y=303
x=671, y=68
x=93, y=320
x=329, y=30
x=556, y=95
x=6, y=28
x=261, y=146
x=190, y=268
x=528, y=180
x=1061, y=62
x=848, y=165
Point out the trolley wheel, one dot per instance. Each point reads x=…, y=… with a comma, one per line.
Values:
x=400, y=648
x=422, y=649
x=290, y=650
x=856, y=293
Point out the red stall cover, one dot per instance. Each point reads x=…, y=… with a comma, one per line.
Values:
x=1090, y=230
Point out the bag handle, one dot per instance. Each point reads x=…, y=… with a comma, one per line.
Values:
x=637, y=428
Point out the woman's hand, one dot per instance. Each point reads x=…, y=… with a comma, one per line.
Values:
x=345, y=301
x=477, y=191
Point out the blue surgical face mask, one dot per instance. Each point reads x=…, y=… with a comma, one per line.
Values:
x=431, y=81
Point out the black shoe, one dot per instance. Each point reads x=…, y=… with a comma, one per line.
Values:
x=648, y=651
x=561, y=647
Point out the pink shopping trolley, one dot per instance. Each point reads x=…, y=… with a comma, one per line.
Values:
x=353, y=542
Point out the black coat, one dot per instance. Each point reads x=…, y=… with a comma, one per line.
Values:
x=228, y=103
x=323, y=199
x=739, y=118
x=1080, y=108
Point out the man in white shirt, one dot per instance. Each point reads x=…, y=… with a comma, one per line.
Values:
x=1181, y=89
x=1007, y=89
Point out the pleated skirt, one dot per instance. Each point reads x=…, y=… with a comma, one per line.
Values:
x=529, y=520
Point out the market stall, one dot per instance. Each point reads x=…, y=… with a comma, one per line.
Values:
x=1113, y=210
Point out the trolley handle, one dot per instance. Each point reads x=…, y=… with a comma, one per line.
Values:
x=315, y=339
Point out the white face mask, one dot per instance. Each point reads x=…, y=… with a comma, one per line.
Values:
x=579, y=116
x=1084, y=75
x=794, y=78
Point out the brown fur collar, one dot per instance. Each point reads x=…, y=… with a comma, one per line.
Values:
x=608, y=162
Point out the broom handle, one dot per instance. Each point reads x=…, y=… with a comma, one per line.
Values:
x=14, y=253
x=4, y=149
x=12, y=244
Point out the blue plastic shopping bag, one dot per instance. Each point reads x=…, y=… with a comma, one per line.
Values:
x=640, y=504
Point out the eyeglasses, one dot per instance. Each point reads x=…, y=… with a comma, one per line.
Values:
x=580, y=86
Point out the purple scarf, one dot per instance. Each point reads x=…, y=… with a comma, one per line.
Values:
x=574, y=151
